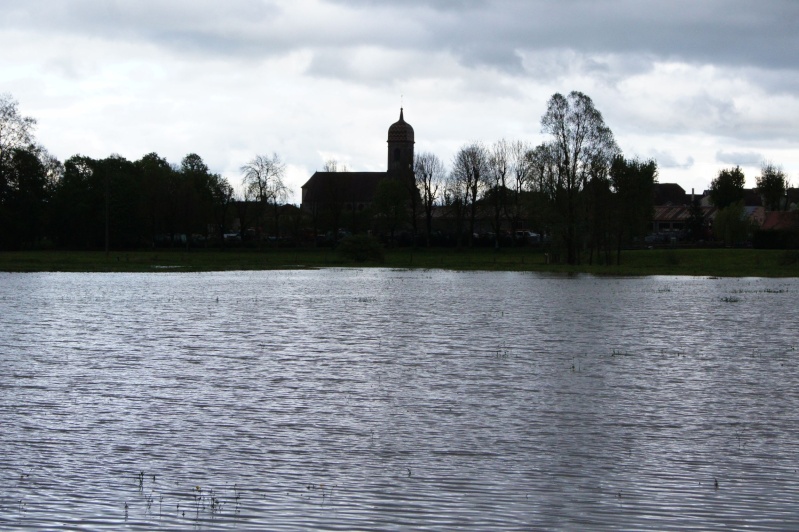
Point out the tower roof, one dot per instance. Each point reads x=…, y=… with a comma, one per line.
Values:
x=400, y=131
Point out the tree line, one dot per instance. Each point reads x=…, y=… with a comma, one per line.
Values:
x=87, y=203
x=576, y=189
x=728, y=194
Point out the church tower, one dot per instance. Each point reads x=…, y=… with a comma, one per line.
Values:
x=400, y=148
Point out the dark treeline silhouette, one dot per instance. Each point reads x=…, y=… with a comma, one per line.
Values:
x=128, y=204
x=88, y=203
x=574, y=195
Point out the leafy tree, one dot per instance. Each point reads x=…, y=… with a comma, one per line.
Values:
x=582, y=147
x=728, y=187
x=731, y=224
x=197, y=194
x=430, y=174
x=122, y=198
x=78, y=205
x=696, y=225
x=158, y=208
x=633, y=181
x=772, y=186
x=24, y=204
x=221, y=200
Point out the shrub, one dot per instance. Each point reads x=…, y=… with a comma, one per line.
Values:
x=789, y=258
x=361, y=248
x=671, y=258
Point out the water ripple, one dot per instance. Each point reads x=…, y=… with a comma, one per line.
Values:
x=395, y=400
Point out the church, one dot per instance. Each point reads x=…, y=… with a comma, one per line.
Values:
x=338, y=193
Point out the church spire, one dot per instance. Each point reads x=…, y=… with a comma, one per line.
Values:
x=400, y=145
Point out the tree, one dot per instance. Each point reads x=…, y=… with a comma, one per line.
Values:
x=772, y=185
x=16, y=132
x=24, y=203
x=520, y=169
x=121, y=184
x=499, y=159
x=26, y=177
x=159, y=202
x=731, y=224
x=197, y=193
x=332, y=165
x=221, y=199
x=454, y=199
x=469, y=170
x=430, y=174
x=728, y=187
x=632, y=181
x=78, y=205
x=696, y=225
x=582, y=146
x=263, y=183
x=599, y=218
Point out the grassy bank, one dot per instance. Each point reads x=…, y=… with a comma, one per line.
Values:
x=706, y=262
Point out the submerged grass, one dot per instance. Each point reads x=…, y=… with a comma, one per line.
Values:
x=697, y=262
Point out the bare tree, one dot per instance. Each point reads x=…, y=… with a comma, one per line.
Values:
x=332, y=165
x=520, y=170
x=469, y=171
x=454, y=199
x=543, y=170
x=263, y=183
x=430, y=174
x=582, y=145
x=499, y=160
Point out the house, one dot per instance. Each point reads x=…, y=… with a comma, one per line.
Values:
x=673, y=214
x=780, y=221
x=669, y=194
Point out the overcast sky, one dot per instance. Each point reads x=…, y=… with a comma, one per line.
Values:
x=698, y=85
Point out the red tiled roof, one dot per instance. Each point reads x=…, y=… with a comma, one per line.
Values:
x=780, y=220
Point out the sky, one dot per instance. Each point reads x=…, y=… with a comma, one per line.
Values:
x=697, y=85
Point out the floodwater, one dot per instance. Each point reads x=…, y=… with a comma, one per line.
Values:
x=379, y=399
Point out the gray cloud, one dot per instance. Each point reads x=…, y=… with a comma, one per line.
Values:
x=712, y=79
x=731, y=32
x=747, y=158
x=668, y=160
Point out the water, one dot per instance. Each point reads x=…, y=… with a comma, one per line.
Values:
x=396, y=400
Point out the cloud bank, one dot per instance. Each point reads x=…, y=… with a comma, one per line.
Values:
x=694, y=84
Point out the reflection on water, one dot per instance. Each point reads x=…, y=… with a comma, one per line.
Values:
x=380, y=399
